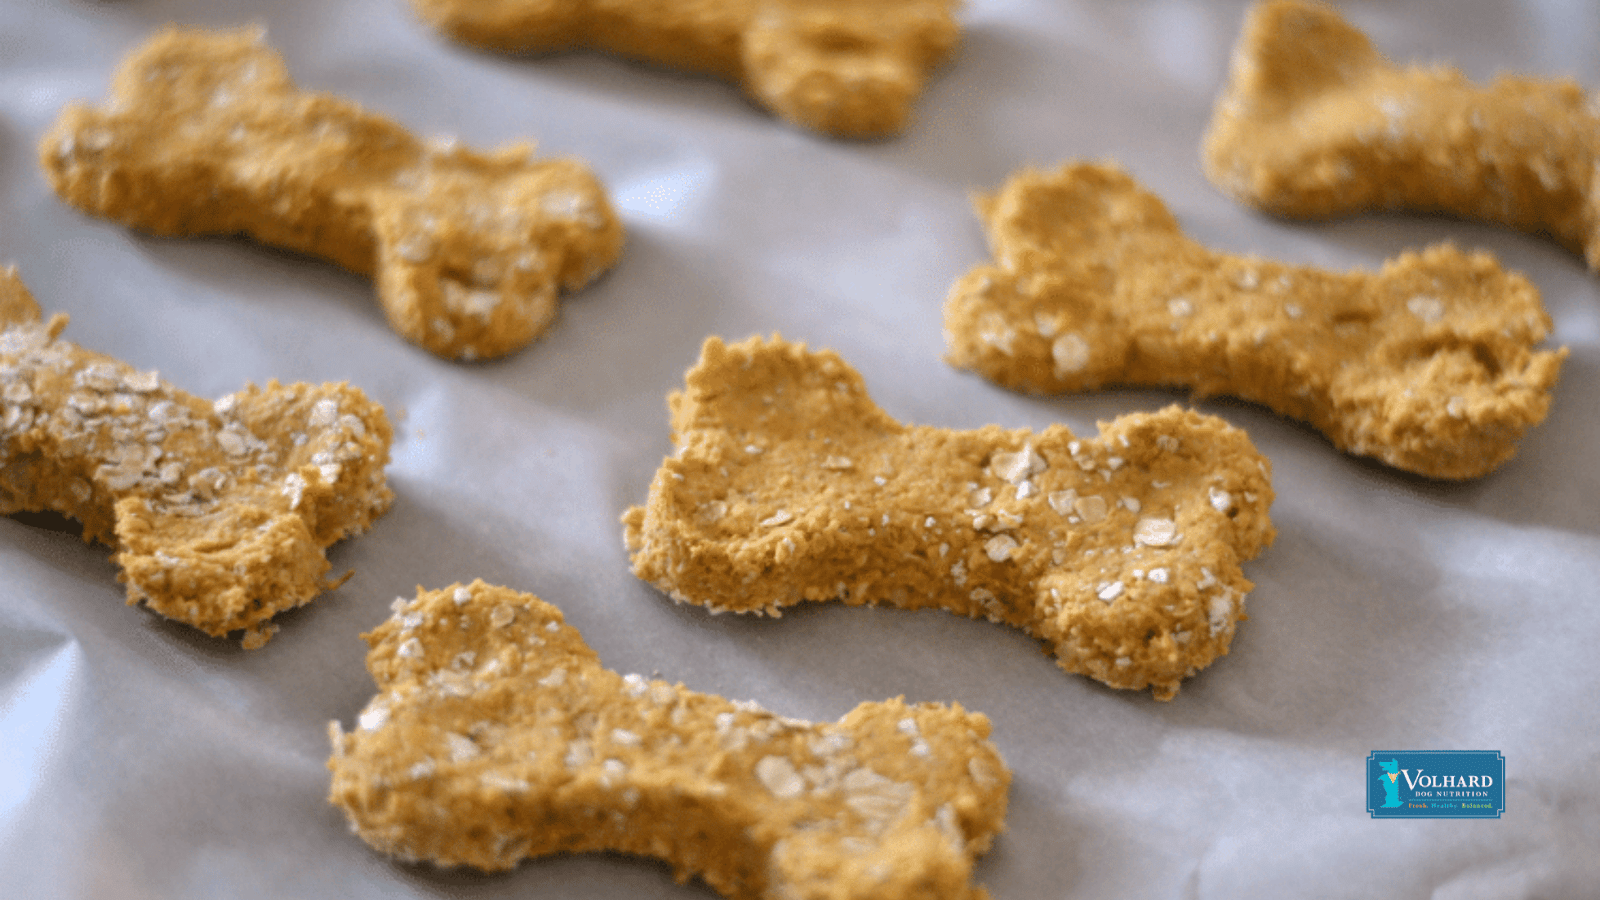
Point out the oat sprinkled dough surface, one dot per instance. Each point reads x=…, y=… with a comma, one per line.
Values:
x=206, y=134
x=1314, y=122
x=851, y=68
x=1429, y=364
x=1122, y=553
x=497, y=735
x=220, y=512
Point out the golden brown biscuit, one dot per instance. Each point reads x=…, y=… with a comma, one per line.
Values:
x=498, y=736
x=219, y=512
x=850, y=68
x=1315, y=123
x=1427, y=365
x=206, y=134
x=1121, y=553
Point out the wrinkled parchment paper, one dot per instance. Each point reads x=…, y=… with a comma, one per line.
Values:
x=139, y=758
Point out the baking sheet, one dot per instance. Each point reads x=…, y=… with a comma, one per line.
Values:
x=139, y=758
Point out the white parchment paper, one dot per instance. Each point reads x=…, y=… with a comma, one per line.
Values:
x=139, y=758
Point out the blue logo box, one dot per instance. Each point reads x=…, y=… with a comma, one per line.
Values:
x=1436, y=784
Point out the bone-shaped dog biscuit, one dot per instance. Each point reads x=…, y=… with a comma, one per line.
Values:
x=220, y=512
x=1427, y=365
x=1121, y=553
x=497, y=735
x=207, y=134
x=1315, y=123
x=845, y=67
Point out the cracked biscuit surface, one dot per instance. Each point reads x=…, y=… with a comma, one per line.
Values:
x=1314, y=123
x=1429, y=365
x=220, y=512
x=206, y=134
x=497, y=736
x=850, y=68
x=1121, y=553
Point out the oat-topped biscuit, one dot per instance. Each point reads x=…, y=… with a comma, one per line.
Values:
x=1314, y=122
x=206, y=134
x=850, y=68
x=219, y=511
x=1430, y=364
x=497, y=735
x=1122, y=553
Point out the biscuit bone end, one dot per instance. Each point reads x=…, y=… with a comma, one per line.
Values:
x=845, y=67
